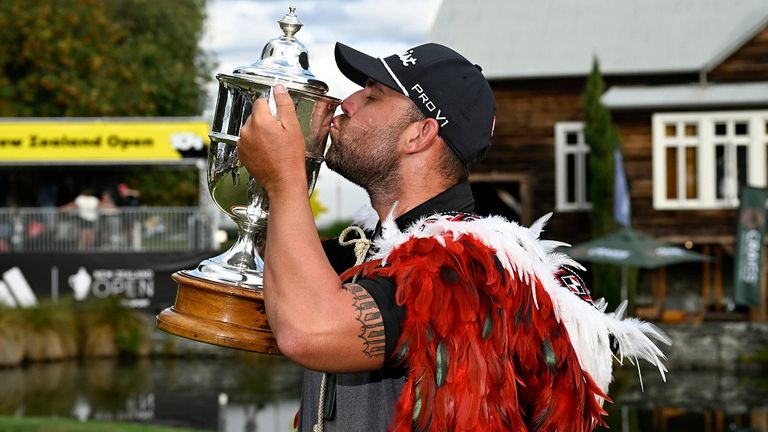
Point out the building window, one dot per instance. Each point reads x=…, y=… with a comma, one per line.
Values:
x=765, y=150
x=701, y=160
x=571, y=167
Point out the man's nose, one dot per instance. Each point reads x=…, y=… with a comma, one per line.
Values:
x=345, y=105
x=349, y=105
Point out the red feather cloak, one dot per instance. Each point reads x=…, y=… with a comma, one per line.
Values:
x=486, y=335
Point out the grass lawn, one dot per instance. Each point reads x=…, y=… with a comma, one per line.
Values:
x=54, y=424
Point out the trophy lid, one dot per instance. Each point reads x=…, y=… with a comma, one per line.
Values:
x=285, y=60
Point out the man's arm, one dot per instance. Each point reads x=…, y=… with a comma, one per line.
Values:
x=318, y=322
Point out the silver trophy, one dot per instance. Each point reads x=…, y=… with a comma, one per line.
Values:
x=221, y=301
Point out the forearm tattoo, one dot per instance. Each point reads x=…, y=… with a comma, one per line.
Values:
x=371, y=324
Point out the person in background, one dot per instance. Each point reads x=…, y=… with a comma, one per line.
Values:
x=127, y=197
x=109, y=221
x=87, y=206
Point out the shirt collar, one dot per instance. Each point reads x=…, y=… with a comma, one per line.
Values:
x=457, y=198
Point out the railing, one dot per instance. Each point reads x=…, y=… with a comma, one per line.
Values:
x=123, y=229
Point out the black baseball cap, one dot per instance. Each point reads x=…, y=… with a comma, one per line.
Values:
x=443, y=84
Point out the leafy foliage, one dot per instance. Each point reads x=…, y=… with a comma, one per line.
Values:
x=166, y=187
x=95, y=58
x=603, y=139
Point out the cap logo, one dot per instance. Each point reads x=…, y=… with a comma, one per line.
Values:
x=407, y=58
x=429, y=105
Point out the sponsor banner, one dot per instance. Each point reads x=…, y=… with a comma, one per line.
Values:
x=61, y=140
x=141, y=280
x=748, y=256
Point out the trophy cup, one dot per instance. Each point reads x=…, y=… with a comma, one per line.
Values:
x=221, y=301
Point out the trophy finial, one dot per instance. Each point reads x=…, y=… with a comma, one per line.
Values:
x=290, y=23
x=286, y=59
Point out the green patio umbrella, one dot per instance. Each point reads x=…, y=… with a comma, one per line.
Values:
x=627, y=247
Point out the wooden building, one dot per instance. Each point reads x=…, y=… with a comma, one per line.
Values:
x=687, y=85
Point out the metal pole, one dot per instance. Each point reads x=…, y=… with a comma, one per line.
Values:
x=624, y=277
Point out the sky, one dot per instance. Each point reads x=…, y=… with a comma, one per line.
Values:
x=237, y=30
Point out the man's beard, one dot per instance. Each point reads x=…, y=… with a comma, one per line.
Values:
x=375, y=170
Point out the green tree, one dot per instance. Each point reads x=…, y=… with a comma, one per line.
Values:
x=63, y=58
x=96, y=58
x=603, y=139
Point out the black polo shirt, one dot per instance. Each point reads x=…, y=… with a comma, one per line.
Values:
x=457, y=198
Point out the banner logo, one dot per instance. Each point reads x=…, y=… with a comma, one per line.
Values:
x=15, y=290
x=136, y=287
x=429, y=105
x=184, y=141
x=407, y=58
x=80, y=283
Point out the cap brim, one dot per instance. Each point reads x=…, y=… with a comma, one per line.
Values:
x=359, y=67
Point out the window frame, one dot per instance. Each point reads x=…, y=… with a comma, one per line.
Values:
x=562, y=150
x=705, y=141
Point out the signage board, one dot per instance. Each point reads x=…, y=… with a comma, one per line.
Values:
x=106, y=140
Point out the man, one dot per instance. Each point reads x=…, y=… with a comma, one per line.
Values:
x=435, y=332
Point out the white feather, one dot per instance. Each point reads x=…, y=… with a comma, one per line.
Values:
x=366, y=218
x=538, y=226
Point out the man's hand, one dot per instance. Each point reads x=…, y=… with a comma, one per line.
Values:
x=272, y=150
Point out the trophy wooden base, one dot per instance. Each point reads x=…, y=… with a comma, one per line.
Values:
x=218, y=314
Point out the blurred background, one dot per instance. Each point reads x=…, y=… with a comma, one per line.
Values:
x=642, y=125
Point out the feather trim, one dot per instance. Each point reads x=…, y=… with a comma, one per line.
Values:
x=589, y=328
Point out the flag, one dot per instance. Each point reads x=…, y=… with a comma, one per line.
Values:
x=748, y=257
x=621, y=208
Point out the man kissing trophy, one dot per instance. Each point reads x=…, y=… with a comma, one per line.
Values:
x=221, y=301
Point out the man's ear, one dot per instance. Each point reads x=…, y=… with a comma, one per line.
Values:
x=420, y=135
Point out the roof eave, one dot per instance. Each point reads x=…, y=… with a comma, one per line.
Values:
x=729, y=50
x=566, y=75
x=678, y=105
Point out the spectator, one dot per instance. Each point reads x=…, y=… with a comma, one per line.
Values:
x=87, y=206
x=127, y=197
x=109, y=222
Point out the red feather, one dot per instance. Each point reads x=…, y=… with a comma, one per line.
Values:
x=522, y=376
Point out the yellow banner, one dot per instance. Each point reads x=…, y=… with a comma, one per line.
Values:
x=101, y=140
